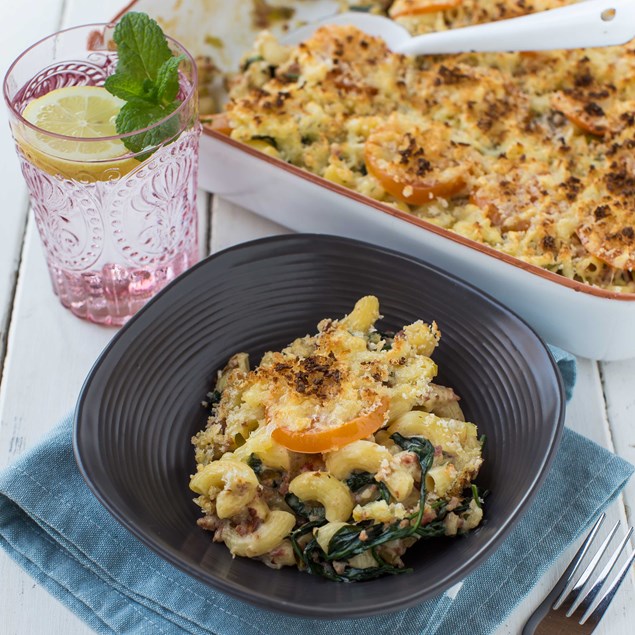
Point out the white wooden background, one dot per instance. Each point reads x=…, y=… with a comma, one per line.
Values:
x=45, y=352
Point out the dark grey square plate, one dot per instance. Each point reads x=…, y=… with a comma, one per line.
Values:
x=141, y=404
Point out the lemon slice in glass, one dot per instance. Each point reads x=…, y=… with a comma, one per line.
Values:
x=85, y=113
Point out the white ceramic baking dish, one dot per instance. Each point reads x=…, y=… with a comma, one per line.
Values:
x=585, y=320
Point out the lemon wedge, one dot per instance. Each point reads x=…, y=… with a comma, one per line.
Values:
x=81, y=112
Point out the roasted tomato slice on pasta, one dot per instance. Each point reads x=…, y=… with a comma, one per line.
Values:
x=327, y=436
x=218, y=122
x=588, y=115
x=606, y=233
x=416, y=165
x=401, y=8
x=607, y=217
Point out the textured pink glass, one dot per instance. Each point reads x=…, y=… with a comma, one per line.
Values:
x=112, y=243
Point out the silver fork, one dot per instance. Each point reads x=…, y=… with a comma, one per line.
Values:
x=576, y=606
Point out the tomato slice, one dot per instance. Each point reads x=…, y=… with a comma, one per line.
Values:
x=606, y=227
x=416, y=166
x=324, y=438
x=588, y=116
x=419, y=7
x=611, y=241
x=219, y=122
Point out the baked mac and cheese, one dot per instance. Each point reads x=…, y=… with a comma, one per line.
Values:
x=337, y=453
x=529, y=153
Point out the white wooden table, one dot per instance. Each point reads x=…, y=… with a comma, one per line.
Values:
x=45, y=352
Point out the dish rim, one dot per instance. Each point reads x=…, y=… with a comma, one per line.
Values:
x=241, y=591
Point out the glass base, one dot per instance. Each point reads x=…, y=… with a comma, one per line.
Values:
x=112, y=295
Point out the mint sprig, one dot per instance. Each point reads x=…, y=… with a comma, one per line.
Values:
x=147, y=79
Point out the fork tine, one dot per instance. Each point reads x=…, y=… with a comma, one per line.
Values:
x=608, y=567
x=549, y=617
x=578, y=589
x=595, y=613
x=571, y=570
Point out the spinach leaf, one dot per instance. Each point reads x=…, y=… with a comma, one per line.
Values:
x=347, y=543
x=376, y=336
x=359, y=480
x=353, y=574
x=310, y=512
x=211, y=399
x=267, y=139
x=317, y=566
x=255, y=464
x=475, y=495
x=436, y=528
x=420, y=446
x=304, y=555
x=388, y=337
x=250, y=60
x=424, y=451
x=352, y=540
x=315, y=517
x=314, y=560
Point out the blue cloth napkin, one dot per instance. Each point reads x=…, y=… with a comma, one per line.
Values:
x=53, y=527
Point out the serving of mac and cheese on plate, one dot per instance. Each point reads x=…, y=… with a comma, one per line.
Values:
x=338, y=453
x=311, y=454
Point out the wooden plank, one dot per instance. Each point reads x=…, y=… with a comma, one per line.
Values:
x=46, y=341
x=232, y=224
x=25, y=607
x=619, y=388
x=50, y=352
x=19, y=29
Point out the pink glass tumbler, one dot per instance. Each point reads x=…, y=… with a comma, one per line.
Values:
x=114, y=231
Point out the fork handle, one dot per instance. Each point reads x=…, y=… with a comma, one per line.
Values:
x=544, y=608
x=541, y=611
x=580, y=25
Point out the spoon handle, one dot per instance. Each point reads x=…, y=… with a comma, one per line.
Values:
x=581, y=25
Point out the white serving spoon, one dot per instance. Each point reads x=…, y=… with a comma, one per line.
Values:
x=581, y=25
